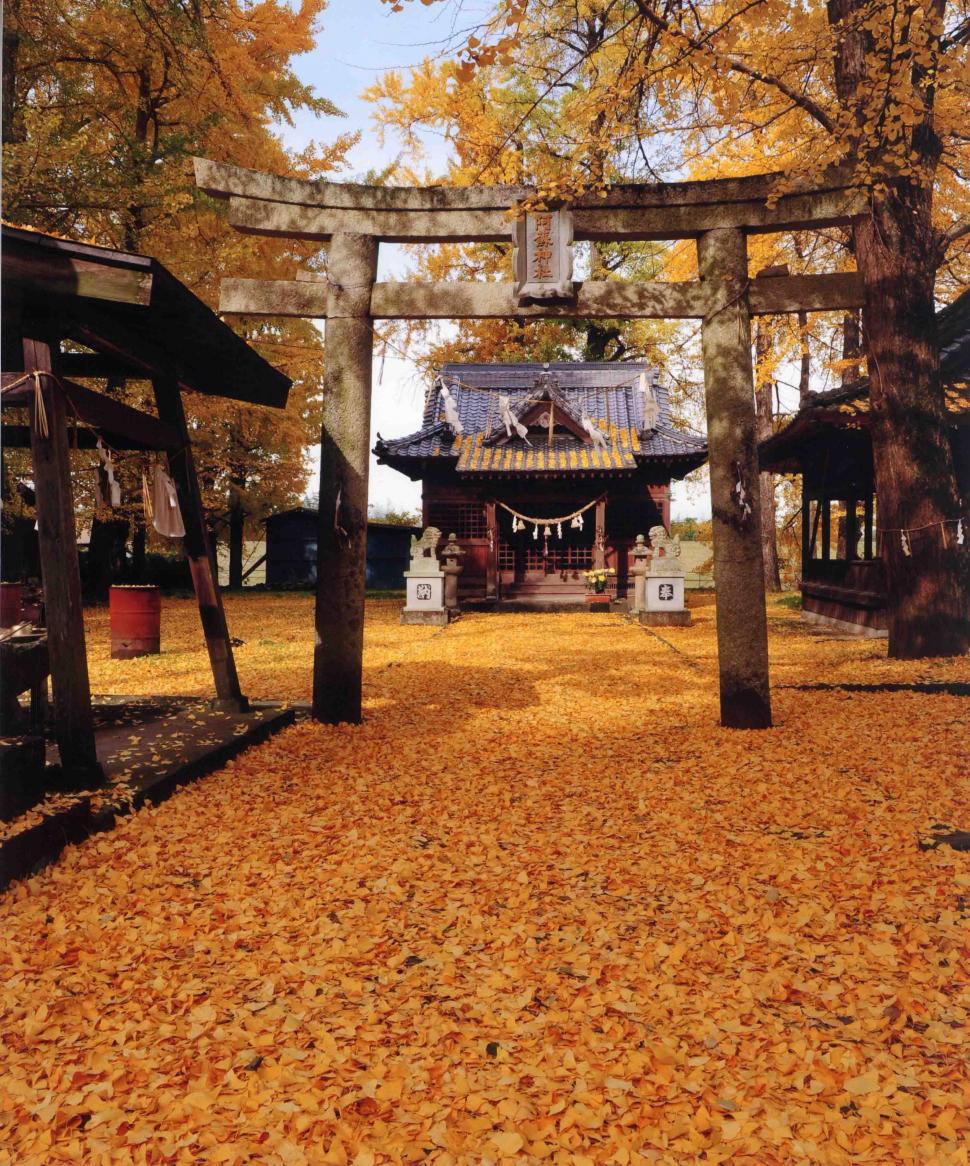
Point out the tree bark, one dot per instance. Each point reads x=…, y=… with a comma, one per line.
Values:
x=764, y=389
x=916, y=488
x=851, y=348
x=805, y=363
x=236, y=530
x=897, y=253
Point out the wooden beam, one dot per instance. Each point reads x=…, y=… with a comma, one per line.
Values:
x=137, y=430
x=18, y=437
x=594, y=299
x=57, y=538
x=49, y=270
x=491, y=554
x=94, y=364
x=198, y=550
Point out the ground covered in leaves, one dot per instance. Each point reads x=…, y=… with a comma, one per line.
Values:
x=538, y=908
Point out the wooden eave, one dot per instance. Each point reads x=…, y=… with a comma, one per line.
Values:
x=120, y=425
x=134, y=313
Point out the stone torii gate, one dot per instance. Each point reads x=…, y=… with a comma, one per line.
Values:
x=353, y=220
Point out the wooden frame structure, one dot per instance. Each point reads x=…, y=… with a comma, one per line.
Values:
x=138, y=322
x=353, y=220
x=828, y=444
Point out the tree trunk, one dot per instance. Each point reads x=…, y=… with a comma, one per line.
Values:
x=851, y=349
x=105, y=559
x=236, y=526
x=897, y=253
x=139, y=540
x=805, y=363
x=916, y=488
x=764, y=389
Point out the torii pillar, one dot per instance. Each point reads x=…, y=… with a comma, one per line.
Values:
x=344, y=461
x=742, y=626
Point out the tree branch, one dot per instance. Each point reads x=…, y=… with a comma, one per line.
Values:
x=806, y=104
x=959, y=229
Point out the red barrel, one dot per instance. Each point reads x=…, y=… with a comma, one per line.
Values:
x=136, y=621
x=11, y=604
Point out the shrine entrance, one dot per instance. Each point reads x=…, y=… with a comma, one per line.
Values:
x=352, y=220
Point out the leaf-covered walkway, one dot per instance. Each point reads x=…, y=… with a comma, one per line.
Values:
x=537, y=908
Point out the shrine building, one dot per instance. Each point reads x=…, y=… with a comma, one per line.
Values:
x=544, y=471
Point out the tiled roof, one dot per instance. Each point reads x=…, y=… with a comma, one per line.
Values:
x=609, y=393
x=848, y=407
x=953, y=330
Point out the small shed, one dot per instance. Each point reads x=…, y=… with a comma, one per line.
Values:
x=291, y=548
x=291, y=551
x=74, y=310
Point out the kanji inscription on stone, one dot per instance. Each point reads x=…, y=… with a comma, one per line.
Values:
x=422, y=591
x=665, y=591
x=544, y=255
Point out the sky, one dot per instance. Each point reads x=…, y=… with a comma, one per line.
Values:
x=360, y=40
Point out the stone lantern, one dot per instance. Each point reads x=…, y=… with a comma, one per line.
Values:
x=641, y=556
x=451, y=568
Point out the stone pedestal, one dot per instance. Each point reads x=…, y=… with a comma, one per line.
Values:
x=425, y=601
x=664, y=601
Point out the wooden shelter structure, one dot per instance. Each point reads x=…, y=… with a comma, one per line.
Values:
x=587, y=446
x=76, y=310
x=353, y=220
x=827, y=444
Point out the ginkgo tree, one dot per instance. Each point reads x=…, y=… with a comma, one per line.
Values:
x=104, y=102
x=878, y=89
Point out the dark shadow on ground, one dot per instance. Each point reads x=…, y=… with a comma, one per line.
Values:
x=929, y=687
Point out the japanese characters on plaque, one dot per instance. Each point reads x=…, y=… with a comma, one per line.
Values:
x=423, y=591
x=544, y=256
x=666, y=592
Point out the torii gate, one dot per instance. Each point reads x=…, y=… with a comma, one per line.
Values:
x=354, y=219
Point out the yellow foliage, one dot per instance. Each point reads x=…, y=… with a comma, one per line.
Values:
x=537, y=908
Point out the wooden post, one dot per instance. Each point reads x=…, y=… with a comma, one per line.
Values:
x=599, y=544
x=344, y=459
x=198, y=550
x=57, y=538
x=742, y=628
x=491, y=561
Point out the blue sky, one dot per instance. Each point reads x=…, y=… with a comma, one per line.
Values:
x=358, y=42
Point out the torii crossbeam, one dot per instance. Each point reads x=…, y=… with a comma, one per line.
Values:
x=352, y=220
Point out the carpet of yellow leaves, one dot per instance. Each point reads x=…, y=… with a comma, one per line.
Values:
x=537, y=908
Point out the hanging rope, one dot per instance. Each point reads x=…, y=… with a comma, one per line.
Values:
x=906, y=532
x=40, y=409
x=560, y=518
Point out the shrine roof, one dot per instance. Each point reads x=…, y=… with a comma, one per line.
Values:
x=848, y=407
x=608, y=393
